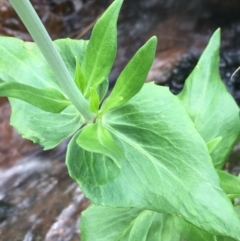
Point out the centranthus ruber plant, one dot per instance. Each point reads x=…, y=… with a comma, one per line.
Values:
x=149, y=161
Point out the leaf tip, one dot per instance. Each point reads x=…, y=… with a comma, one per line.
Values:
x=154, y=38
x=153, y=41
x=218, y=31
x=215, y=39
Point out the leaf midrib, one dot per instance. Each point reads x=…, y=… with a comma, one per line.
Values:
x=130, y=225
x=97, y=55
x=198, y=114
x=144, y=152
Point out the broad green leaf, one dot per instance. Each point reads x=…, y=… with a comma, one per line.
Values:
x=102, y=48
x=94, y=101
x=229, y=183
x=95, y=138
x=164, y=170
x=208, y=103
x=69, y=50
x=121, y=224
x=48, y=99
x=190, y=232
x=132, y=78
x=211, y=145
x=103, y=89
x=101, y=223
x=22, y=62
x=98, y=140
x=237, y=209
x=78, y=77
x=224, y=239
x=46, y=129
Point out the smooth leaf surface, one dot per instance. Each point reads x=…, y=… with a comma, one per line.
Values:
x=229, y=183
x=52, y=128
x=94, y=101
x=78, y=77
x=190, y=232
x=164, y=170
x=22, y=62
x=100, y=144
x=101, y=223
x=211, y=145
x=95, y=138
x=102, y=48
x=237, y=209
x=132, y=78
x=69, y=50
x=48, y=99
x=208, y=103
x=103, y=89
x=121, y=224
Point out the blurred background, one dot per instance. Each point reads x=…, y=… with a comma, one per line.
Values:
x=38, y=200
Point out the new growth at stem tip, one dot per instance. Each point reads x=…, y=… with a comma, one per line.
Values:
x=39, y=34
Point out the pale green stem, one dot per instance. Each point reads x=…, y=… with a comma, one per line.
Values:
x=39, y=34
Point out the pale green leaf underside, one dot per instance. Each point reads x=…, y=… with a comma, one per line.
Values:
x=101, y=155
x=212, y=144
x=191, y=233
x=103, y=89
x=48, y=99
x=22, y=62
x=95, y=138
x=94, y=101
x=102, y=48
x=208, y=103
x=46, y=129
x=164, y=170
x=132, y=78
x=78, y=77
x=237, y=209
x=101, y=223
x=92, y=167
x=126, y=224
x=229, y=183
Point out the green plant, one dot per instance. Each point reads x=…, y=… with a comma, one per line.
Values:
x=149, y=161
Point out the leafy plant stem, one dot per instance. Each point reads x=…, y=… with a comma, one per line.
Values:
x=39, y=34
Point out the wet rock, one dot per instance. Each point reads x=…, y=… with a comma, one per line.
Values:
x=62, y=18
x=5, y=211
x=38, y=199
x=12, y=146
